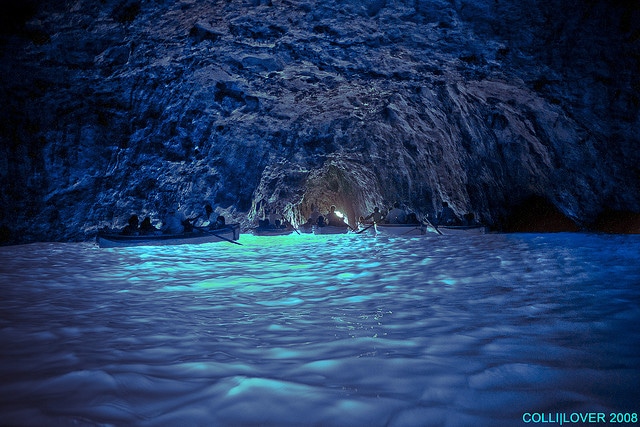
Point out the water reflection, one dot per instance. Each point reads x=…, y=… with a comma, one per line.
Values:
x=320, y=330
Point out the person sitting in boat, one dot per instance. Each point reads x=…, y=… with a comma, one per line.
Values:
x=146, y=227
x=447, y=216
x=131, y=229
x=188, y=225
x=321, y=221
x=375, y=216
x=173, y=222
x=397, y=215
x=310, y=222
x=208, y=210
x=207, y=219
x=333, y=219
x=220, y=223
x=275, y=219
x=313, y=218
x=412, y=218
x=269, y=220
x=469, y=219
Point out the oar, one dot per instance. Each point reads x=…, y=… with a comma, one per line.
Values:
x=347, y=224
x=407, y=232
x=295, y=229
x=365, y=229
x=218, y=236
x=429, y=223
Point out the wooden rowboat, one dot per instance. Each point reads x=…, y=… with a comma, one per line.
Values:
x=111, y=239
x=330, y=229
x=457, y=229
x=272, y=231
x=306, y=228
x=402, y=229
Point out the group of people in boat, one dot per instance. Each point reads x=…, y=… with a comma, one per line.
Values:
x=174, y=222
x=273, y=221
x=136, y=228
x=398, y=215
x=448, y=217
x=331, y=218
x=395, y=215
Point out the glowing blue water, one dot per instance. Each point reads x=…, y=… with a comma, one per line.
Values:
x=308, y=330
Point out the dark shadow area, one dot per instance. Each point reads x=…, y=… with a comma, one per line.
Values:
x=617, y=222
x=538, y=215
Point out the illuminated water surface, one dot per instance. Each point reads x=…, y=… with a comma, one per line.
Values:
x=348, y=330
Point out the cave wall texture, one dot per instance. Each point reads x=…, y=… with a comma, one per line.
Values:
x=117, y=107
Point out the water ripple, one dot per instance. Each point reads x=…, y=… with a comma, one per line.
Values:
x=320, y=330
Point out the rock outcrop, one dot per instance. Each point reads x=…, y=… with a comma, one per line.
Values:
x=118, y=107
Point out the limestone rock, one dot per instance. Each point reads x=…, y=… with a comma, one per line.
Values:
x=122, y=107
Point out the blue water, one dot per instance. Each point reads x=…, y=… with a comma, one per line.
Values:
x=347, y=330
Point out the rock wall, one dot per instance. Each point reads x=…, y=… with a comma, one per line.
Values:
x=132, y=106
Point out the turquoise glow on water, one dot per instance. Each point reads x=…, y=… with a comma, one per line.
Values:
x=304, y=330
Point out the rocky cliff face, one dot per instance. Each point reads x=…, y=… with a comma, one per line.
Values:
x=118, y=107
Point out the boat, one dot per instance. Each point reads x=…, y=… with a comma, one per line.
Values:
x=306, y=228
x=402, y=229
x=272, y=231
x=457, y=229
x=114, y=239
x=330, y=229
